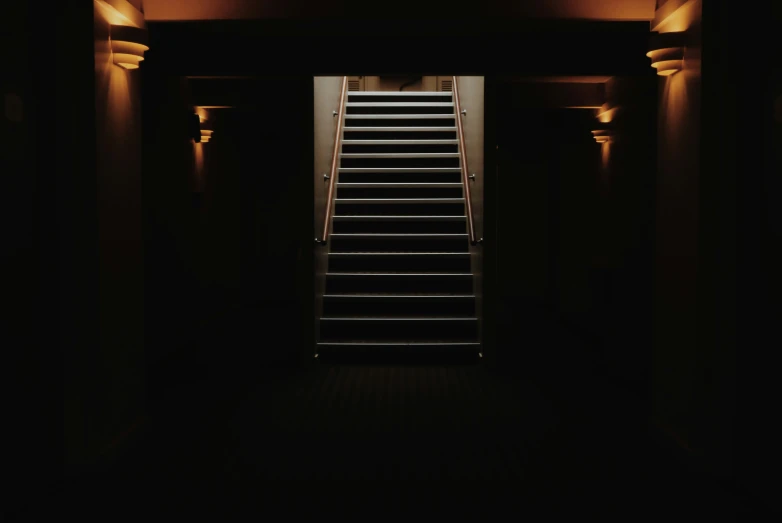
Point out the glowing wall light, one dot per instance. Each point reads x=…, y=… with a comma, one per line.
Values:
x=206, y=135
x=667, y=52
x=128, y=45
x=603, y=132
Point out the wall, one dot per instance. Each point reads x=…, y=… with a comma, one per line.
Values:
x=740, y=227
x=327, y=91
x=120, y=248
x=675, y=375
x=471, y=97
x=624, y=240
x=227, y=266
x=77, y=352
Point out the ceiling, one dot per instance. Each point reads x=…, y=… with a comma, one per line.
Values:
x=192, y=10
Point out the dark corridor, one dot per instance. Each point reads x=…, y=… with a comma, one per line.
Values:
x=159, y=349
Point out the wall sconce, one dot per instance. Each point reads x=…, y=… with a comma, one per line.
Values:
x=128, y=44
x=667, y=52
x=206, y=135
x=603, y=132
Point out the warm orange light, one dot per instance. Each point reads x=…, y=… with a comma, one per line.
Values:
x=602, y=133
x=667, y=52
x=606, y=113
x=128, y=45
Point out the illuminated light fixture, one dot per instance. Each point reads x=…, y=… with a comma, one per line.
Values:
x=603, y=132
x=128, y=45
x=667, y=52
x=607, y=112
x=206, y=131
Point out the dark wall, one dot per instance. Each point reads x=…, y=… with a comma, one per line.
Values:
x=225, y=255
x=742, y=232
x=571, y=242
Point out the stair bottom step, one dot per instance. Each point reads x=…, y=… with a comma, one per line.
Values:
x=399, y=353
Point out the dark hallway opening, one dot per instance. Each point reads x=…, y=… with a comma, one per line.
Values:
x=163, y=301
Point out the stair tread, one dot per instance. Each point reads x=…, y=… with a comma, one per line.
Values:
x=398, y=217
x=398, y=343
x=399, y=155
x=399, y=296
x=398, y=200
x=396, y=234
x=400, y=169
x=393, y=185
x=417, y=116
x=400, y=142
x=399, y=318
x=427, y=274
x=399, y=93
x=393, y=129
x=400, y=103
x=398, y=253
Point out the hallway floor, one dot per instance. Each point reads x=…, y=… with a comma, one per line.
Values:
x=357, y=422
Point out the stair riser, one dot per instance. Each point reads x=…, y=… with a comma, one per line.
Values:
x=396, y=307
x=385, y=244
x=398, y=330
x=399, y=135
x=398, y=284
x=414, y=264
x=400, y=109
x=403, y=192
x=399, y=209
x=399, y=148
x=422, y=227
x=406, y=163
x=400, y=177
x=396, y=98
x=353, y=123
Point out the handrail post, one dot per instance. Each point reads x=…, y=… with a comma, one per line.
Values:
x=334, y=160
x=463, y=160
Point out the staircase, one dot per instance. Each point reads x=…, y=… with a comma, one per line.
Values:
x=399, y=278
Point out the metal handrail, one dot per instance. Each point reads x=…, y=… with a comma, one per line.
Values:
x=463, y=161
x=334, y=159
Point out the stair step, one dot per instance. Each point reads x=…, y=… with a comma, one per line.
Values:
x=348, y=201
x=383, y=218
x=353, y=185
x=399, y=305
x=363, y=95
x=400, y=103
x=400, y=142
x=400, y=133
x=436, y=123
x=372, y=283
x=400, y=170
x=399, y=155
x=412, y=262
x=431, y=160
x=399, y=206
x=399, y=328
x=397, y=191
x=410, y=148
x=385, y=242
x=429, y=128
x=417, y=116
x=414, y=176
x=398, y=235
x=440, y=254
